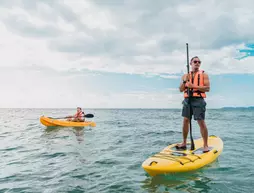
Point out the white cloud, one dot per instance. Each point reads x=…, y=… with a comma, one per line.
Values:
x=38, y=87
x=144, y=100
x=86, y=34
x=170, y=76
x=42, y=89
x=135, y=37
x=45, y=88
x=91, y=16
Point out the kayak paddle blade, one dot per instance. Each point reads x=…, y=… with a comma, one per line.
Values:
x=89, y=115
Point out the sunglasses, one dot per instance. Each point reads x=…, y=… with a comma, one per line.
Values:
x=195, y=61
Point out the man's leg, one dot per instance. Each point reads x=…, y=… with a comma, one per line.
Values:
x=185, y=131
x=75, y=120
x=81, y=120
x=185, y=128
x=199, y=115
x=204, y=133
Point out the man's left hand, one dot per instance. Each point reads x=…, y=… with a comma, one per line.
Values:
x=189, y=85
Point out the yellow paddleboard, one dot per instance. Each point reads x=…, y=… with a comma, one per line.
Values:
x=171, y=160
x=56, y=122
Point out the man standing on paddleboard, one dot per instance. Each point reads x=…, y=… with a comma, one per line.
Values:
x=198, y=83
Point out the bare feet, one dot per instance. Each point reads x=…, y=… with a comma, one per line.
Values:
x=181, y=146
x=206, y=149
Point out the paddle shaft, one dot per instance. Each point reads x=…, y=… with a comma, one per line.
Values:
x=189, y=101
x=86, y=116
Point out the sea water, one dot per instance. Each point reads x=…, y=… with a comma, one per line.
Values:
x=108, y=157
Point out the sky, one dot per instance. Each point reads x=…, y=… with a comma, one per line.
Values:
x=122, y=54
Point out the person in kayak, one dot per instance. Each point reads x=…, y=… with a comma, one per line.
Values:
x=78, y=117
x=198, y=82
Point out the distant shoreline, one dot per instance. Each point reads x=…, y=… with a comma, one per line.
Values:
x=249, y=107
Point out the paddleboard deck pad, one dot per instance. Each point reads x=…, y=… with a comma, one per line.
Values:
x=173, y=160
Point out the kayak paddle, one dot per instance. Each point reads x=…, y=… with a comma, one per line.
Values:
x=86, y=116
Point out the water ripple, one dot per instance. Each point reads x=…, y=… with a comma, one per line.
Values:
x=108, y=158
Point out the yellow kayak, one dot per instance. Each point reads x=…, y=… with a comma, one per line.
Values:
x=56, y=122
x=170, y=160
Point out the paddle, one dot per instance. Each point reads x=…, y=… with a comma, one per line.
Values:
x=189, y=101
x=87, y=116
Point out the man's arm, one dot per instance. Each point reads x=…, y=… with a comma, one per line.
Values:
x=206, y=87
x=182, y=85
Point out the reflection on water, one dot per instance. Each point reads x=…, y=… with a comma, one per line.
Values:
x=195, y=181
x=181, y=182
x=78, y=131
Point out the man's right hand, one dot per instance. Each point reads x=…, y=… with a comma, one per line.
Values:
x=186, y=77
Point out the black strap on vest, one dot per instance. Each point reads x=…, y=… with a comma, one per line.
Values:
x=198, y=85
x=192, y=80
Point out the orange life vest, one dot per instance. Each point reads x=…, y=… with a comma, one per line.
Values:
x=79, y=115
x=198, y=80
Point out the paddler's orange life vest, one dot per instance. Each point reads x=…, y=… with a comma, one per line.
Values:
x=198, y=80
x=79, y=115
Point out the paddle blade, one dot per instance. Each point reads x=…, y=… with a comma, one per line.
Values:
x=192, y=145
x=89, y=115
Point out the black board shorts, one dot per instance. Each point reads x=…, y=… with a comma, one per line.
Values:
x=198, y=108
